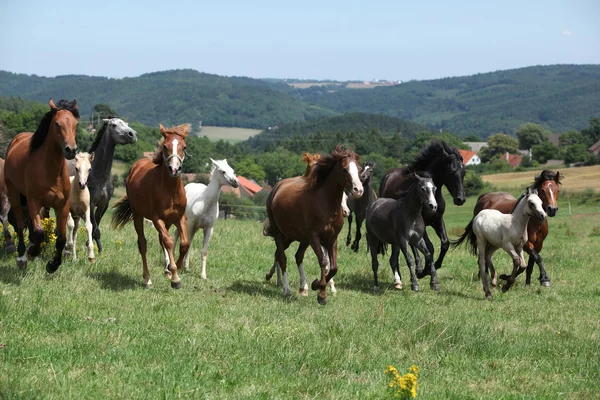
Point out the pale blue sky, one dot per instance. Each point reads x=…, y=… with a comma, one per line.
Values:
x=308, y=39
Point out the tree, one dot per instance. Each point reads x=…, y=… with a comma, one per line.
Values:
x=472, y=138
x=571, y=137
x=544, y=152
x=104, y=110
x=498, y=145
x=592, y=134
x=248, y=168
x=575, y=153
x=530, y=134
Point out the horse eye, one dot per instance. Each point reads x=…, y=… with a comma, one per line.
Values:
x=113, y=125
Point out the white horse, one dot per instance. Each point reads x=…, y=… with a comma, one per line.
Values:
x=202, y=208
x=79, y=205
x=490, y=230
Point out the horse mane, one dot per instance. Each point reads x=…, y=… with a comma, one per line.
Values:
x=158, y=158
x=518, y=201
x=411, y=177
x=325, y=164
x=309, y=160
x=546, y=175
x=44, y=127
x=429, y=154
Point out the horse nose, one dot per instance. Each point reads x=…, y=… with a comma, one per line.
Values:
x=357, y=192
x=432, y=206
x=70, y=152
x=552, y=211
x=131, y=134
x=459, y=200
x=82, y=185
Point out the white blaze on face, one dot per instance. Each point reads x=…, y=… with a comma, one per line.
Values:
x=174, y=162
x=538, y=205
x=357, y=187
x=431, y=190
x=552, y=201
x=345, y=209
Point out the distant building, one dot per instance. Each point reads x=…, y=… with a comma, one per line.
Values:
x=476, y=146
x=595, y=149
x=469, y=157
x=513, y=159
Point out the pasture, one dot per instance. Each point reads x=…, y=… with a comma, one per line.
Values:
x=227, y=134
x=576, y=179
x=93, y=331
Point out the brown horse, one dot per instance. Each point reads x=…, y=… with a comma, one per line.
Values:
x=37, y=176
x=9, y=246
x=155, y=191
x=308, y=210
x=547, y=185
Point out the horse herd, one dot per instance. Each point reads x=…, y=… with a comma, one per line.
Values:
x=45, y=169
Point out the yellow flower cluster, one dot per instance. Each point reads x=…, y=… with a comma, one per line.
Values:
x=49, y=226
x=403, y=386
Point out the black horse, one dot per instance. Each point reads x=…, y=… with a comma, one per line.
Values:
x=445, y=164
x=359, y=206
x=400, y=223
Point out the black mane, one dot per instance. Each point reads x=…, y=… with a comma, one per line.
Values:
x=518, y=201
x=430, y=154
x=546, y=175
x=43, y=128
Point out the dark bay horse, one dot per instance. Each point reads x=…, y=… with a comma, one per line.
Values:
x=9, y=246
x=308, y=210
x=445, y=164
x=400, y=223
x=359, y=206
x=114, y=131
x=37, y=176
x=155, y=191
x=547, y=185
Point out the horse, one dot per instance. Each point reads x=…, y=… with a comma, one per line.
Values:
x=155, y=191
x=310, y=160
x=36, y=175
x=9, y=245
x=79, y=205
x=307, y=210
x=400, y=223
x=548, y=186
x=359, y=206
x=490, y=230
x=445, y=164
x=202, y=208
x=114, y=131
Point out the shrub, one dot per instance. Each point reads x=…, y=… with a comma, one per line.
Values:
x=473, y=183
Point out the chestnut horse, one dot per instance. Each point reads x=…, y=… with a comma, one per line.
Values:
x=308, y=210
x=547, y=186
x=155, y=191
x=37, y=176
x=9, y=246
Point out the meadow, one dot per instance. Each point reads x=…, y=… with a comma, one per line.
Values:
x=228, y=134
x=93, y=331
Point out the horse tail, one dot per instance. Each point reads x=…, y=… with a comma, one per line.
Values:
x=468, y=234
x=123, y=213
x=381, y=248
x=267, y=230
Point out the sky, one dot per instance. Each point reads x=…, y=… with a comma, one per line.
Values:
x=326, y=39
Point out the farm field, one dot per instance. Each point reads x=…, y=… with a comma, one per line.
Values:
x=93, y=331
x=228, y=134
x=576, y=179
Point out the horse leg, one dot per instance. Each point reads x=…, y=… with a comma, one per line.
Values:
x=321, y=284
x=403, y=246
x=299, y=259
x=534, y=257
x=208, y=231
x=425, y=269
x=359, y=222
x=373, y=244
x=184, y=241
x=481, y=254
x=62, y=214
x=349, y=237
x=440, y=230
x=69, y=245
x=394, y=264
x=489, y=268
x=167, y=243
x=36, y=234
x=138, y=223
x=518, y=266
x=332, y=266
x=418, y=264
x=9, y=246
x=90, y=242
x=433, y=282
x=99, y=214
x=14, y=198
x=282, y=261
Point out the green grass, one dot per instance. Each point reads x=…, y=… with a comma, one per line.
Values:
x=93, y=331
x=228, y=134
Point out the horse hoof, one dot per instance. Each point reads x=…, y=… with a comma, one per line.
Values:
x=398, y=286
x=504, y=277
x=176, y=285
x=505, y=288
x=545, y=283
x=303, y=292
x=321, y=300
x=421, y=274
x=22, y=264
x=435, y=286
x=488, y=297
x=268, y=277
x=414, y=288
x=148, y=285
x=376, y=289
x=10, y=248
x=315, y=285
x=91, y=260
x=51, y=267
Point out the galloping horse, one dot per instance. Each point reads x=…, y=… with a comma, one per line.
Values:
x=359, y=206
x=37, y=176
x=9, y=246
x=490, y=230
x=114, y=131
x=155, y=191
x=400, y=223
x=79, y=205
x=445, y=164
x=308, y=210
x=547, y=185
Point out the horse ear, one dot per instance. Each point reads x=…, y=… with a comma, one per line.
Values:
x=51, y=104
x=105, y=119
x=213, y=161
x=163, y=131
x=558, y=177
x=92, y=156
x=185, y=128
x=74, y=103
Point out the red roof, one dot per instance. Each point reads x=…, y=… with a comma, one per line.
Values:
x=513, y=159
x=466, y=155
x=249, y=185
x=148, y=154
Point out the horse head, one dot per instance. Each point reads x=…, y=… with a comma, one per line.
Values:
x=63, y=126
x=548, y=185
x=453, y=173
x=223, y=173
x=119, y=130
x=367, y=172
x=173, y=147
x=535, y=207
x=426, y=192
x=83, y=165
x=348, y=163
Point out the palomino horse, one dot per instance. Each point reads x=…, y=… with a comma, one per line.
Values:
x=79, y=205
x=308, y=210
x=36, y=174
x=490, y=230
x=9, y=246
x=202, y=208
x=114, y=131
x=445, y=164
x=155, y=191
x=547, y=185
x=400, y=223
x=359, y=206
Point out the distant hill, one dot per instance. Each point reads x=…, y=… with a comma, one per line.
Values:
x=172, y=97
x=560, y=97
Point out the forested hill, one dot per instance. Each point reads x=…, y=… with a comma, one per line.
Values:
x=560, y=97
x=171, y=97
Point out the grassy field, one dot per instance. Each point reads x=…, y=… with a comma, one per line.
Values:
x=576, y=179
x=93, y=331
x=233, y=135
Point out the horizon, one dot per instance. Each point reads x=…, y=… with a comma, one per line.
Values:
x=336, y=40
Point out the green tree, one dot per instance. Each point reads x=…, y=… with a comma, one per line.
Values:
x=544, y=152
x=248, y=168
x=473, y=183
x=498, y=145
x=530, y=134
x=592, y=133
x=571, y=137
x=104, y=110
x=576, y=153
